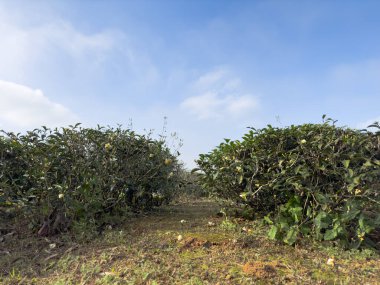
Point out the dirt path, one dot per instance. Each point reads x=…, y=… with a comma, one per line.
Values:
x=168, y=218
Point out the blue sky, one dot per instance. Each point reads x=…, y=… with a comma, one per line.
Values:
x=212, y=67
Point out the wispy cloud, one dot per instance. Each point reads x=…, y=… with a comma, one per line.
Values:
x=24, y=47
x=62, y=34
x=212, y=105
x=220, y=95
x=23, y=107
x=56, y=46
x=210, y=79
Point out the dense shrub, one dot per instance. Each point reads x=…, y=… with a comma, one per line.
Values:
x=83, y=175
x=314, y=180
x=190, y=188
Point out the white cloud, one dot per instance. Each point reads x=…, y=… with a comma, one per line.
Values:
x=23, y=47
x=220, y=95
x=211, y=78
x=63, y=35
x=241, y=104
x=203, y=106
x=220, y=80
x=23, y=107
x=212, y=105
x=55, y=46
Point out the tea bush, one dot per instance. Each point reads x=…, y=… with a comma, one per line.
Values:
x=314, y=180
x=190, y=188
x=83, y=175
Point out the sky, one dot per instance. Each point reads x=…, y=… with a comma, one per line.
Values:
x=211, y=68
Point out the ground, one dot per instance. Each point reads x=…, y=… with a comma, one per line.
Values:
x=184, y=243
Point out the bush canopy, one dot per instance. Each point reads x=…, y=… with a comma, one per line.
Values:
x=314, y=180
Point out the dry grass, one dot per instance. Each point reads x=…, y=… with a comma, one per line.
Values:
x=158, y=249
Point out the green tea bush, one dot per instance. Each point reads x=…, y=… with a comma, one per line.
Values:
x=190, y=186
x=314, y=180
x=84, y=175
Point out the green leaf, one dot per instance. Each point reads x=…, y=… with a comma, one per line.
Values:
x=268, y=220
x=243, y=195
x=330, y=234
x=305, y=230
x=365, y=225
x=296, y=213
x=350, y=214
x=241, y=177
x=309, y=212
x=322, y=199
x=283, y=223
x=320, y=220
x=194, y=170
x=356, y=180
x=291, y=236
x=272, y=232
x=346, y=163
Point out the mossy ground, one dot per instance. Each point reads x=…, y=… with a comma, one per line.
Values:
x=157, y=248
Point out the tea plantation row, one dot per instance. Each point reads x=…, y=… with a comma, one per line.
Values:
x=82, y=177
x=312, y=180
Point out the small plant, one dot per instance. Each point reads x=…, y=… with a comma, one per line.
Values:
x=228, y=225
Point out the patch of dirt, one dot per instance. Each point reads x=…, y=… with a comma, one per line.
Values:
x=260, y=269
x=169, y=218
x=191, y=242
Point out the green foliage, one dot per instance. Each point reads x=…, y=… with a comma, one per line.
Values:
x=83, y=175
x=190, y=186
x=314, y=180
